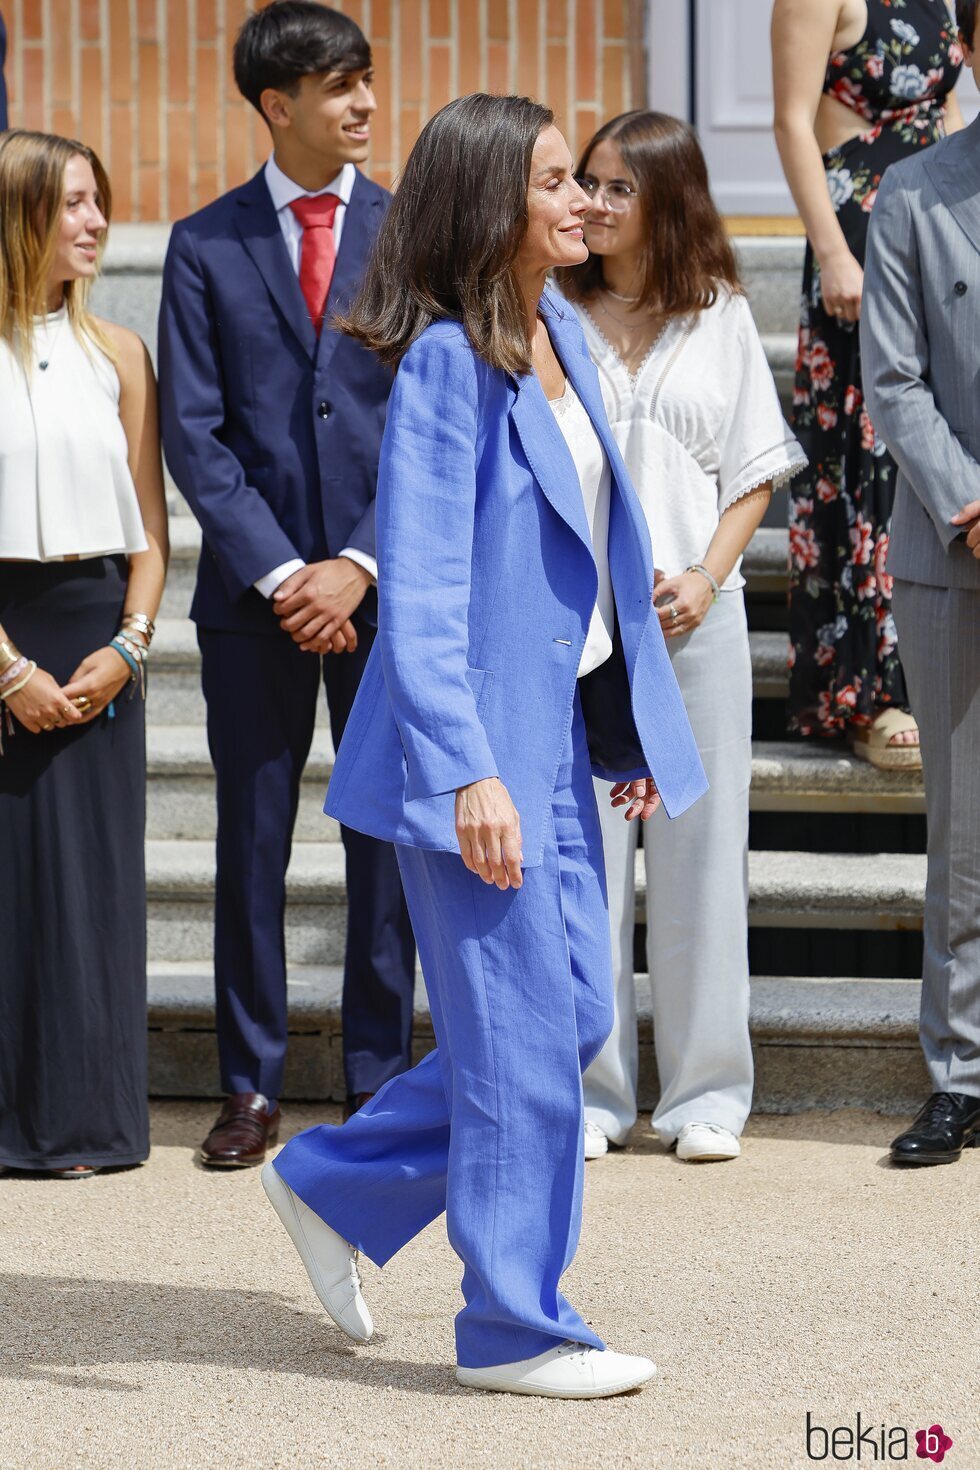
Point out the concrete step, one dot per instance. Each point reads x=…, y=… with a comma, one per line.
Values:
x=180, y=786
x=795, y=890
x=817, y=1043
x=763, y=566
x=786, y=777
x=174, y=680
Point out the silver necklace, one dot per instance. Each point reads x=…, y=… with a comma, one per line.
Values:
x=616, y=294
x=53, y=339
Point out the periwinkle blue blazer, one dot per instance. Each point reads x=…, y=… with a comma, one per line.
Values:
x=486, y=586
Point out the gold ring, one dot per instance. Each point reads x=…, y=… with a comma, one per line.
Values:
x=83, y=703
x=674, y=614
x=48, y=727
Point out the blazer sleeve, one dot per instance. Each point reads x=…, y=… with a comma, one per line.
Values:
x=238, y=524
x=895, y=366
x=426, y=507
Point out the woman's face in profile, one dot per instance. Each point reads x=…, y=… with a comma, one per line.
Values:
x=82, y=224
x=555, y=208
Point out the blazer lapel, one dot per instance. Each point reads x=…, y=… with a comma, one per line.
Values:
x=360, y=228
x=262, y=237
x=955, y=170
x=549, y=456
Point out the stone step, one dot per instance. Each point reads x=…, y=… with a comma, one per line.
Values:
x=787, y=890
x=817, y=1043
x=763, y=566
x=174, y=681
x=786, y=777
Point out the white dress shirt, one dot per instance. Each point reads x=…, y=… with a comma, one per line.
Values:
x=283, y=191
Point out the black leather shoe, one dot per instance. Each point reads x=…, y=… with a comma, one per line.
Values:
x=355, y=1103
x=949, y=1123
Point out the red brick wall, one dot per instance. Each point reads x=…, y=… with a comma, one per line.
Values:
x=147, y=83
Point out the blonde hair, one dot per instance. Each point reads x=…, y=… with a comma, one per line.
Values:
x=32, y=194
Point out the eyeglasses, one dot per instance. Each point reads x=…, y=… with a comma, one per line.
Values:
x=617, y=195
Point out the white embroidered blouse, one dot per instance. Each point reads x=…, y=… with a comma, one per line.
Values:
x=699, y=425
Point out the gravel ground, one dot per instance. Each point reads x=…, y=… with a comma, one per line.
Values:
x=159, y=1317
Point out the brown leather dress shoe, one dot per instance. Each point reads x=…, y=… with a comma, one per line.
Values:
x=244, y=1130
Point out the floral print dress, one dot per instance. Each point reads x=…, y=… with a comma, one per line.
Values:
x=843, y=656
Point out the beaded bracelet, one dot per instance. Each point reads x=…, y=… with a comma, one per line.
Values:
x=700, y=567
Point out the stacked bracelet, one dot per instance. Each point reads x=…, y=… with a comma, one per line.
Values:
x=134, y=655
x=11, y=671
x=140, y=623
x=698, y=566
x=9, y=655
x=12, y=686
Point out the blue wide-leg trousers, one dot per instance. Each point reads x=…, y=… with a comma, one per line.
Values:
x=488, y=1127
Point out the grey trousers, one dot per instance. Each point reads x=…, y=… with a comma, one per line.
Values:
x=938, y=636
x=697, y=898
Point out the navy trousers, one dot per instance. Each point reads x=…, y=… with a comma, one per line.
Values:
x=261, y=697
x=489, y=1126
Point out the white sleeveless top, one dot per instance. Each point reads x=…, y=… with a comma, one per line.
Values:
x=595, y=479
x=65, y=484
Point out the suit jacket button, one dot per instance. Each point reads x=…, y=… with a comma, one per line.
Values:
x=323, y=409
x=960, y=288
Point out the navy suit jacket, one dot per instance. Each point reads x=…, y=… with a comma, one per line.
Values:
x=487, y=582
x=272, y=436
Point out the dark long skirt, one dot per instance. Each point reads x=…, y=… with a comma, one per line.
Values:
x=72, y=880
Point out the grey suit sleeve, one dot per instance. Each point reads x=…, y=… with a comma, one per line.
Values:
x=895, y=367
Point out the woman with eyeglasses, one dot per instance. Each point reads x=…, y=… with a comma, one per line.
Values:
x=694, y=409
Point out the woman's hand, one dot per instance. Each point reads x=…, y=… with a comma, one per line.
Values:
x=841, y=285
x=98, y=678
x=42, y=704
x=488, y=829
x=689, y=597
x=640, y=798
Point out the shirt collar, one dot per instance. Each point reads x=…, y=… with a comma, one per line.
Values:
x=284, y=190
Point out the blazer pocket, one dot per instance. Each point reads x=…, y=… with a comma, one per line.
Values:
x=480, y=681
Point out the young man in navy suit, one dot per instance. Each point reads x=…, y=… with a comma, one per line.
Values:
x=272, y=424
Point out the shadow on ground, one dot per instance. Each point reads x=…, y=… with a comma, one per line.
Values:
x=91, y=1323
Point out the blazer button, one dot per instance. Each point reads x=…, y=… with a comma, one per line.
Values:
x=960, y=288
x=323, y=409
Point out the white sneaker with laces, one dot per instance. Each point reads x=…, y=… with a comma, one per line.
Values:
x=706, y=1143
x=570, y=1371
x=331, y=1263
x=596, y=1142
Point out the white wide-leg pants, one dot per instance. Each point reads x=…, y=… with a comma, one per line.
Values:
x=697, y=898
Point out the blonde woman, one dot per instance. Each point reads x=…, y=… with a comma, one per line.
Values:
x=693, y=406
x=83, y=552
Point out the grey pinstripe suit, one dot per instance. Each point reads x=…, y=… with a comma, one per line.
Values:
x=920, y=348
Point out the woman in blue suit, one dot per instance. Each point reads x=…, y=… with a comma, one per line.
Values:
x=518, y=653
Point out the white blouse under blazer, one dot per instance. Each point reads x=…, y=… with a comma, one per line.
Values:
x=699, y=425
x=65, y=483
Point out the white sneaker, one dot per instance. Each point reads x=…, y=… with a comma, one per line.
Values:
x=331, y=1263
x=596, y=1142
x=706, y=1143
x=570, y=1371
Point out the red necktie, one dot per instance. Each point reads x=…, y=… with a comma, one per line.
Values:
x=315, y=213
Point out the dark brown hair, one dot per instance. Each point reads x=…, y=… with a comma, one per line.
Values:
x=966, y=19
x=288, y=40
x=448, y=243
x=689, y=256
